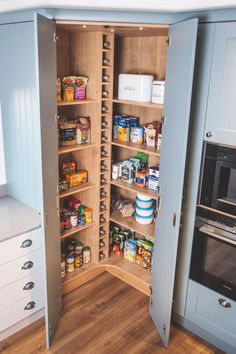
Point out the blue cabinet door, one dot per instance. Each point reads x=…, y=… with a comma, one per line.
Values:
x=179, y=78
x=45, y=48
x=221, y=111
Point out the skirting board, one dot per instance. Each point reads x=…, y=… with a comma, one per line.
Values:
x=190, y=326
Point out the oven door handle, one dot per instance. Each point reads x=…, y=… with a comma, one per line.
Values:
x=210, y=232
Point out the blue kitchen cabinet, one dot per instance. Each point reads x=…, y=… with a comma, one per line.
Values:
x=221, y=109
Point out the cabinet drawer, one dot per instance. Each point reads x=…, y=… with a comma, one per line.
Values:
x=204, y=310
x=20, y=245
x=22, y=309
x=20, y=268
x=21, y=289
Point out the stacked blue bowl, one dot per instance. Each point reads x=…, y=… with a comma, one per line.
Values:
x=144, y=209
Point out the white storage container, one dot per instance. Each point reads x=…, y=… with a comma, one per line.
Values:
x=158, y=92
x=134, y=87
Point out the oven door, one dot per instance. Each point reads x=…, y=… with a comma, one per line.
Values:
x=213, y=262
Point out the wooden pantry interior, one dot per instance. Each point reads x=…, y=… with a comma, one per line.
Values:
x=30, y=120
x=132, y=49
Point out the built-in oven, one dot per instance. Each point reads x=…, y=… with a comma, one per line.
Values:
x=213, y=262
x=218, y=184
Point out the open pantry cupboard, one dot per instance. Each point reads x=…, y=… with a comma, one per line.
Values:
x=76, y=48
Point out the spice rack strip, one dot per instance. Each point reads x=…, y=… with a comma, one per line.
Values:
x=140, y=104
x=143, y=148
x=135, y=189
x=77, y=102
x=75, y=230
x=129, y=222
x=106, y=136
x=73, y=148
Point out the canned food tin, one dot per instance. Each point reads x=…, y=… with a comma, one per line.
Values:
x=74, y=219
x=81, y=219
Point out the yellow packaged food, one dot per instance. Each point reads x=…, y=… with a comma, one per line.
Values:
x=76, y=178
x=88, y=212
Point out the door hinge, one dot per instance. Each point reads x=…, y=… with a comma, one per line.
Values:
x=168, y=41
x=163, y=119
x=164, y=328
x=151, y=302
x=174, y=220
x=45, y=219
x=55, y=37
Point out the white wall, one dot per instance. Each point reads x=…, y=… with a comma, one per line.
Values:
x=2, y=161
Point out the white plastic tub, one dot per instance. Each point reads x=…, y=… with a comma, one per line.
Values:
x=134, y=87
x=144, y=211
x=144, y=220
x=142, y=203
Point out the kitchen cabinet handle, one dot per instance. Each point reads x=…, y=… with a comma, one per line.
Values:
x=209, y=134
x=224, y=303
x=28, y=286
x=26, y=243
x=30, y=305
x=27, y=265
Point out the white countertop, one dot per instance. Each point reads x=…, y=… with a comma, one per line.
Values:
x=16, y=218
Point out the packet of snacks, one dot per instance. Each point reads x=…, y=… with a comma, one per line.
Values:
x=68, y=87
x=58, y=90
x=80, y=87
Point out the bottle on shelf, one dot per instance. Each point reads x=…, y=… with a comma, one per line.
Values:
x=103, y=152
x=102, y=219
x=104, y=109
x=102, y=232
x=106, y=45
x=101, y=244
x=102, y=206
x=104, y=138
x=106, y=61
x=104, y=123
x=103, y=180
x=103, y=193
x=105, y=77
x=101, y=255
x=103, y=166
x=105, y=93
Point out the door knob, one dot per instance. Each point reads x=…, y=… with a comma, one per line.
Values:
x=224, y=303
x=209, y=134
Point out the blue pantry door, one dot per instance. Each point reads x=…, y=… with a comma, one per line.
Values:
x=179, y=79
x=46, y=77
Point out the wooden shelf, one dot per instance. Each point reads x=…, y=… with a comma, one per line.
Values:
x=135, y=189
x=77, y=102
x=129, y=267
x=136, y=147
x=80, y=188
x=129, y=272
x=229, y=201
x=140, y=104
x=72, y=148
x=76, y=229
x=129, y=222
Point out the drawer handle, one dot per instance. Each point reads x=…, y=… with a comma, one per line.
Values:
x=30, y=305
x=26, y=243
x=28, y=286
x=224, y=303
x=27, y=265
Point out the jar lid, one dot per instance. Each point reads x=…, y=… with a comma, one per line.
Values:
x=87, y=248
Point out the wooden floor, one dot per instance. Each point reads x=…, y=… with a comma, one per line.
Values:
x=104, y=316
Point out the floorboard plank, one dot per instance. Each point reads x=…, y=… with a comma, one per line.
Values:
x=104, y=316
